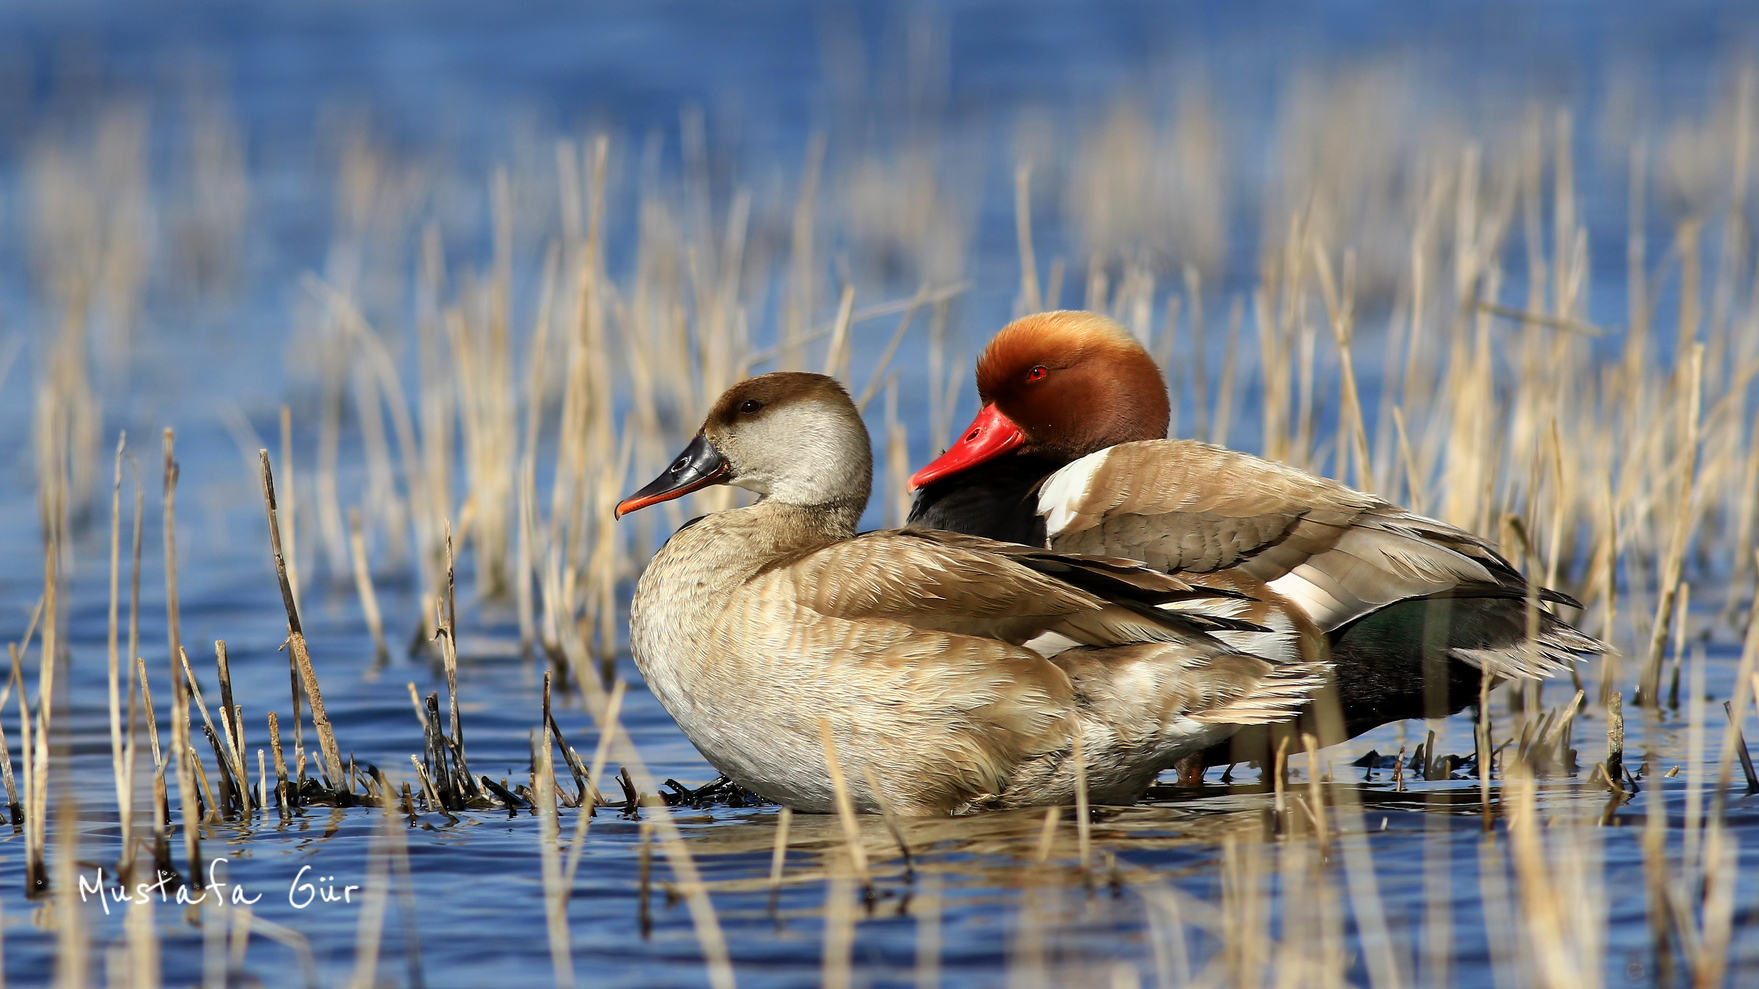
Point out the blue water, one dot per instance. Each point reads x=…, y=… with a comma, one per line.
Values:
x=465, y=87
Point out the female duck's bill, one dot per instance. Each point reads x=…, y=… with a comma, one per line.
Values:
x=699, y=466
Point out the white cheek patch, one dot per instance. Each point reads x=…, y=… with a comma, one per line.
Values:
x=1064, y=490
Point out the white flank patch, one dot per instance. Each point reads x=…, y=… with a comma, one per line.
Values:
x=1048, y=644
x=1066, y=489
x=1325, y=610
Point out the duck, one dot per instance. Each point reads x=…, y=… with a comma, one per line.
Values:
x=1070, y=452
x=952, y=673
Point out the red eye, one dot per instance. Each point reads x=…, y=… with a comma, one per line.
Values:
x=1036, y=374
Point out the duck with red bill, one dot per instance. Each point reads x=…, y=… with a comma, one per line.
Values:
x=1070, y=453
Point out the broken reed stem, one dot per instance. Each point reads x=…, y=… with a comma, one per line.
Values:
x=363, y=585
x=296, y=638
x=845, y=806
x=449, y=654
x=231, y=716
x=1615, y=738
x=1649, y=689
x=283, y=799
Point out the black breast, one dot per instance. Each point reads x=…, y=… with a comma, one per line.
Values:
x=997, y=499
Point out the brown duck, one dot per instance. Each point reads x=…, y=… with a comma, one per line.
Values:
x=954, y=673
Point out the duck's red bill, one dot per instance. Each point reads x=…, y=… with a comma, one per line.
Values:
x=699, y=466
x=989, y=436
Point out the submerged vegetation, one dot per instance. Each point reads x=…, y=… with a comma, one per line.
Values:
x=1417, y=316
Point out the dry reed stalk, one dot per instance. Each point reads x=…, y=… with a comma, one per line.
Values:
x=525, y=494
x=1340, y=306
x=1609, y=595
x=1649, y=687
x=891, y=822
x=845, y=807
x=14, y=810
x=232, y=719
x=363, y=586
x=779, y=856
x=1682, y=622
x=1615, y=739
x=877, y=375
x=119, y=764
x=161, y=805
x=285, y=799
x=35, y=875
x=1029, y=299
x=1047, y=834
x=1199, y=359
x=300, y=658
x=234, y=781
x=181, y=756
x=837, y=353
x=801, y=299
x=1315, y=789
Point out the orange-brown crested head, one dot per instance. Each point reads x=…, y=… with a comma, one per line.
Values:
x=1074, y=383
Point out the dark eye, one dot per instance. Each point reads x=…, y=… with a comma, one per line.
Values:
x=1036, y=374
x=750, y=407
